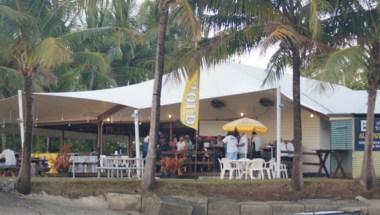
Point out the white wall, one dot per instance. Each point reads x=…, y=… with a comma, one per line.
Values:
x=315, y=131
x=211, y=128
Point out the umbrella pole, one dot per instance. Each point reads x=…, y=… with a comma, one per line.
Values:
x=196, y=152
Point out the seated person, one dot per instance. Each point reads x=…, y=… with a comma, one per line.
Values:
x=9, y=158
x=8, y=162
x=206, y=147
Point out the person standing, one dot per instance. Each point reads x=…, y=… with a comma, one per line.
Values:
x=290, y=149
x=145, y=146
x=256, y=142
x=243, y=146
x=231, y=146
x=181, y=144
x=173, y=144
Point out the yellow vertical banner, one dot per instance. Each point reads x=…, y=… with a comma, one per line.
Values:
x=190, y=102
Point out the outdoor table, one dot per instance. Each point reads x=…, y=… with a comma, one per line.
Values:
x=243, y=167
x=195, y=162
x=338, y=155
x=83, y=164
x=323, y=154
x=118, y=164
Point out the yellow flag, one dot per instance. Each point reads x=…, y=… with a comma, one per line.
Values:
x=190, y=102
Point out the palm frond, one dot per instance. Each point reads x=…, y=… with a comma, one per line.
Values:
x=317, y=9
x=229, y=14
x=50, y=53
x=277, y=32
x=340, y=67
x=92, y=60
x=276, y=67
x=14, y=15
x=186, y=16
x=75, y=39
x=54, y=22
x=314, y=21
x=7, y=69
x=348, y=60
x=10, y=81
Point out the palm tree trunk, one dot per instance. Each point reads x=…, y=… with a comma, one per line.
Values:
x=297, y=175
x=23, y=183
x=367, y=178
x=3, y=140
x=149, y=173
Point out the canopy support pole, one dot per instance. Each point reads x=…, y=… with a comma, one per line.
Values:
x=21, y=118
x=130, y=143
x=278, y=130
x=170, y=131
x=100, y=138
x=135, y=115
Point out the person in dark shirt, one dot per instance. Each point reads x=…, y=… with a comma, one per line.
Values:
x=163, y=147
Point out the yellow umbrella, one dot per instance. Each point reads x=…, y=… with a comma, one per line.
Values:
x=246, y=125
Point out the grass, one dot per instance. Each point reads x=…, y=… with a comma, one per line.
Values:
x=256, y=190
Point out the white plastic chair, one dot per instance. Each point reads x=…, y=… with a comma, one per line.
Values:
x=256, y=165
x=243, y=166
x=226, y=165
x=106, y=165
x=270, y=169
x=283, y=171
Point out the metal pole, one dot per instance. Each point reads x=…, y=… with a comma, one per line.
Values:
x=21, y=118
x=278, y=129
x=135, y=115
x=170, y=130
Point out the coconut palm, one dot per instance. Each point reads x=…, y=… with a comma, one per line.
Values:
x=186, y=15
x=291, y=25
x=353, y=27
x=37, y=41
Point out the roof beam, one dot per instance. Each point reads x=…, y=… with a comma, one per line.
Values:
x=110, y=111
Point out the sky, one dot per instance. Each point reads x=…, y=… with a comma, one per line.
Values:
x=256, y=58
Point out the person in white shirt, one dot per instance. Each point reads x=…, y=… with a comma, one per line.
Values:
x=243, y=146
x=287, y=150
x=10, y=158
x=231, y=146
x=283, y=150
x=256, y=142
x=145, y=146
x=290, y=148
x=181, y=145
x=219, y=141
x=287, y=154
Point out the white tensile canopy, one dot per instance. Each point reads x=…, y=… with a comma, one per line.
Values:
x=233, y=83
x=234, y=87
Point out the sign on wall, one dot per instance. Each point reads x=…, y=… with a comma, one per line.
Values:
x=360, y=129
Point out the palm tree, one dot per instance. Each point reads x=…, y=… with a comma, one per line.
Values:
x=38, y=40
x=292, y=25
x=353, y=28
x=184, y=8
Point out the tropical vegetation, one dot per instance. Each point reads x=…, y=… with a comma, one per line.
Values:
x=354, y=60
x=86, y=45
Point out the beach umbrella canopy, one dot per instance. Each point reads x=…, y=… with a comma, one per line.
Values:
x=246, y=125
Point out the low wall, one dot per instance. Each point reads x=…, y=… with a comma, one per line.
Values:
x=151, y=204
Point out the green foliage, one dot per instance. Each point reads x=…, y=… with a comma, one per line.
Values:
x=353, y=28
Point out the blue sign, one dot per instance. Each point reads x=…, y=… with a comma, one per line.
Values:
x=360, y=129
